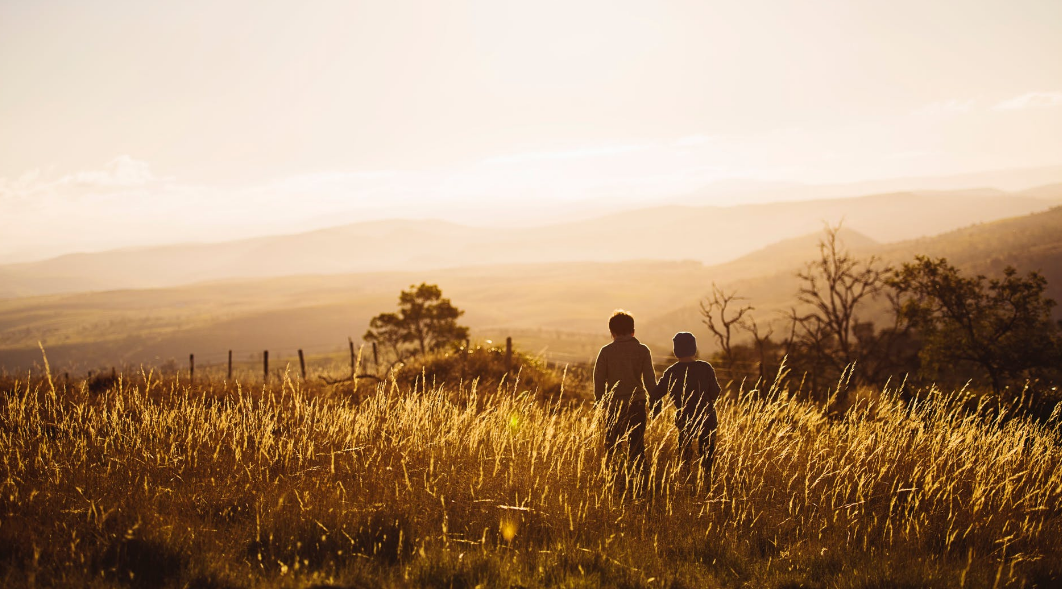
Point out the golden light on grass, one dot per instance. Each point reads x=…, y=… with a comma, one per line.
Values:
x=302, y=473
x=509, y=527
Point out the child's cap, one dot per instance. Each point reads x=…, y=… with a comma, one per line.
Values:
x=685, y=344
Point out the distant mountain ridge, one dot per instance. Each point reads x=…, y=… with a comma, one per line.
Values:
x=557, y=307
x=1015, y=181
x=708, y=234
x=791, y=253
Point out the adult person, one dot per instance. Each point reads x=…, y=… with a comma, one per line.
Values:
x=623, y=377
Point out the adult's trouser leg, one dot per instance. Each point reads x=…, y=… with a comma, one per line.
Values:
x=627, y=426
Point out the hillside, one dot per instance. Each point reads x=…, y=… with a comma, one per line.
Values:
x=558, y=309
x=788, y=254
x=1030, y=242
x=710, y=235
x=767, y=278
x=1051, y=192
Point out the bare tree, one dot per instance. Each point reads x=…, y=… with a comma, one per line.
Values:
x=789, y=343
x=721, y=318
x=835, y=286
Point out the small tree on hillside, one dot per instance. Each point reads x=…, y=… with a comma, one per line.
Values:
x=425, y=322
x=1002, y=326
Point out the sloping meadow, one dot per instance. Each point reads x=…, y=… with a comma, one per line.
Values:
x=156, y=484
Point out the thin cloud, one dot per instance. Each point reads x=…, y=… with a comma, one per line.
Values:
x=694, y=140
x=320, y=180
x=1031, y=100
x=914, y=154
x=953, y=106
x=122, y=172
x=584, y=152
x=22, y=186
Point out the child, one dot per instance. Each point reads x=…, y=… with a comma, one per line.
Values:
x=693, y=388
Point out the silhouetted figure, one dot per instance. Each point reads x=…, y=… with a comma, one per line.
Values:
x=623, y=375
x=693, y=388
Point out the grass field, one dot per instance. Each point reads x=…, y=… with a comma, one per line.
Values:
x=155, y=483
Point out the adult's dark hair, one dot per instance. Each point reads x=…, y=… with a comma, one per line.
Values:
x=621, y=323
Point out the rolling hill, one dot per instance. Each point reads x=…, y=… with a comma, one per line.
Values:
x=710, y=235
x=562, y=304
x=766, y=278
x=556, y=308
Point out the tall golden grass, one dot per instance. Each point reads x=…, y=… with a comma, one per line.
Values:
x=155, y=483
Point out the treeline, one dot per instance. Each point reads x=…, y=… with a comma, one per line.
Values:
x=855, y=321
x=863, y=321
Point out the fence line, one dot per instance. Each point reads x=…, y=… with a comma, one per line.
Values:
x=555, y=357
x=230, y=359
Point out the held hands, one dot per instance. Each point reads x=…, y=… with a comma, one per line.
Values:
x=656, y=408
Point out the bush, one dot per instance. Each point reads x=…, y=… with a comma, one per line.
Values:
x=487, y=366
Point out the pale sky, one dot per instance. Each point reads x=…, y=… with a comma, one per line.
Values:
x=132, y=122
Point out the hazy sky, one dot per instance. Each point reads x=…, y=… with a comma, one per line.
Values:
x=126, y=122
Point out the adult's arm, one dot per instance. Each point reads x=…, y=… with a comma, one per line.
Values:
x=600, y=375
x=648, y=373
x=656, y=393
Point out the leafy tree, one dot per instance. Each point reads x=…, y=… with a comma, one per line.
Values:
x=1001, y=326
x=425, y=322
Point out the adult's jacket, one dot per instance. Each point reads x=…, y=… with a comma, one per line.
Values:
x=624, y=367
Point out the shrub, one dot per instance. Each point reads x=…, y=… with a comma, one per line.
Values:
x=487, y=366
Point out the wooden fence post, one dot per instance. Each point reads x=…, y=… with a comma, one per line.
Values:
x=191, y=368
x=353, y=372
x=508, y=354
x=265, y=366
x=302, y=364
x=464, y=361
x=229, y=377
